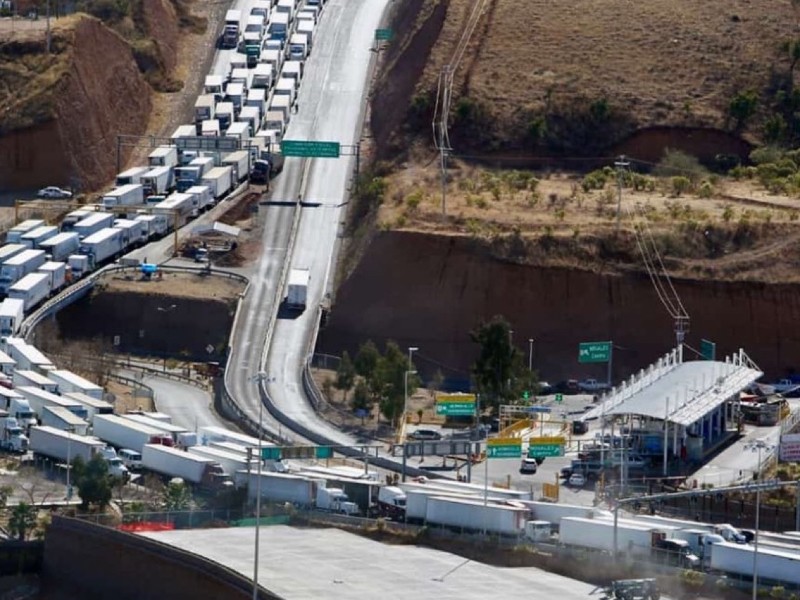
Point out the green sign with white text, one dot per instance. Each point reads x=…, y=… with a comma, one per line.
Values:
x=308, y=149
x=594, y=352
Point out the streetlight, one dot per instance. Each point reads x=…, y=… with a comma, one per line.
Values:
x=758, y=446
x=69, y=429
x=409, y=371
x=530, y=355
x=260, y=378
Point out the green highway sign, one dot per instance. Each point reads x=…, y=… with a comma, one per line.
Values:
x=708, y=350
x=559, y=397
x=545, y=450
x=455, y=405
x=271, y=453
x=504, y=448
x=310, y=149
x=279, y=452
x=383, y=35
x=594, y=352
x=323, y=452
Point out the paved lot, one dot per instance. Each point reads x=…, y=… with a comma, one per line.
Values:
x=330, y=564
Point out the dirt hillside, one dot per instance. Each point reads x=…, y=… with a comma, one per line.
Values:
x=575, y=78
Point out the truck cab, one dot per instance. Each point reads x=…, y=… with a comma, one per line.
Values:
x=13, y=438
x=335, y=500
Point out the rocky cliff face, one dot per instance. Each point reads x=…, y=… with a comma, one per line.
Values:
x=430, y=291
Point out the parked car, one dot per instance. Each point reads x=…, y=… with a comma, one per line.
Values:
x=425, y=434
x=570, y=386
x=529, y=465
x=545, y=389
x=53, y=192
x=577, y=480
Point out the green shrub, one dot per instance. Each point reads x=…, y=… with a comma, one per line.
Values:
x=743, y=106
x=676, y=163
x=680, y=185
x=766, y=154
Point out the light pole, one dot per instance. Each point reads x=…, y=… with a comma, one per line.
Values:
x=409, y=371
x=530, y=355
x=69, y=429
x=758, y=446
x=260, y=378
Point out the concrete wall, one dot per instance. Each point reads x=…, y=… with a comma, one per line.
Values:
x=84, y=560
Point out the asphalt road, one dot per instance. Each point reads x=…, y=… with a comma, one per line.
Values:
x=340, y=569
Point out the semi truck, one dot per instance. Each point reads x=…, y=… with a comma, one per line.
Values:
x=101, y=246
x=281, y=487
x=278, y=27
x=262, y=75
x=18, y=267
x=473, y=515
x=204, y=108
x=18, y=407
x=93, y=406
x=39, y=399
x=60, y=418
x=7, y=364
x=27, y=356
x=12, y=436
x=130, y=176
x=163, y=156
x=297, y=289
x=14, y=235
x=32, y=378
x=60, y=246
x=174, y=431
x=251, y=116
x=76, y=216
x=219, y=180
x=93, y=223
x=176, y=208
x=777, y=566
x=35, y=237
x=12, y=313
x=10, y=250
x=392, y=502
x=134, y=233
x=31, y=289
x=633, y=539
x=126, y=195
x=230, y=33
x=56, y=273
x=65, y=447
x=202, y=198
x=157, y=180
x=191, y=174
x=69, y=382
x=238, y=161
x=193, y=469
x=230, y=462
x=157, y=225
x=124, y=433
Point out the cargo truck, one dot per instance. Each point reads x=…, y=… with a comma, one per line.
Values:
x=297, y=289
x=204, y=108
x=230, y=32
x=18, y=407
x=124, y=433
x=12, y=436
x=298, y=47
x=392, y=502
x=126, y=195
x=102, y=246
x=554, y=512
x=79, y=265
x=93, y=406
x=27, y=356
x=287, y=7
x=238, y=161
x=134, y=233
x=278, y=27
x=256, y=98
x=56, y=273
x=213, y=85
x=14, y=235
x=8, y=251
x=157, y=181
x=777, y=566
x=335, y=500
x=23, y=377
x=35, y=237
x=176, y=208
x=18, y=267
x=193, y=469
x=7, y=365
x=201, y=198
x=60, y=418
x=285, y=87
x=191, y=174
x=76, y=216
x=12, y=313
x=273, y=58
x=213, y=433
x=281, y=487
x=472, y=515
x=306, y=27
x=38, y=399
x=230, y=462
x=131, y=176
x=157, y=225
x=252, y=48
x=281, y=103
x=59, y=247
x=70, y=382
x=251, y=116
x=210, y=128
x=633, y=539
x=293, y=69
x=234, y=93
x=63, y=446
x=174, y=431
x=163, y=156
x=262, y=75
x=219, y=180
x=93, y=223
x=416, y=507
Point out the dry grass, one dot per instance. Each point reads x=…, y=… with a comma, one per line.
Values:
x=177, y=285
x=661, y=62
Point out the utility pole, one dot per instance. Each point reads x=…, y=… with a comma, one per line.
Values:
x=443, y=138
x=47, y=35
x=620, y=164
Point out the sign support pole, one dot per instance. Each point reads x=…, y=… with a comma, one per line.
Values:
x=610, y=360
x=485, y=488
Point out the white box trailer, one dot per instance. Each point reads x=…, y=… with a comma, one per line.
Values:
x=298, y=46
x=176, y=208
x=553, y=512
x=281, y=103
x=156, y=225
x=273, y=58
x=306, y=27
x=38, y=399
x=126, y=195
x=76, y=216
x=191, y=468
x=459, y=487
x=213, y=433
x=157, y=180
x=62, y=445
x=251, y=116
x=93, y=406
x=133, y=232
x=220, y=180
x=417, y=502
x=281, y=487
x=131, y=176
x=257, y=98
x=239, y=131
x=293, y=69
x=27, y=356
x=35, y=237
x=124, y=433
x=19, y=266
x=60, y=246
x=8, y=251
x=204, y=108
x=297, y=289
x=172, y=430
x=225, y=114
x=286, y=87
x=598, y=534
x=773, y=565
x=93, y=223
x=31, y=289
x=213, y=85
x=239, y=162
x=69, y=382
x=59, y=417
x=262, y=74
x=230, y=462
x=102, y=246
x=56, y=273
x=210, y=128
x=12, y=313
x=14, y=235
x=163, y=156
x=7, y=365
x=23, y=377
x=473, y=515
x=202, y=198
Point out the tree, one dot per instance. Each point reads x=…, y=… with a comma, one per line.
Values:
x=390, y=378
x=361, y=396
x=743, y=106
x=345, y=374
x=367, y=359
x=176, y=496
x=95, y=485
x=499, y=371
x=22, y=520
